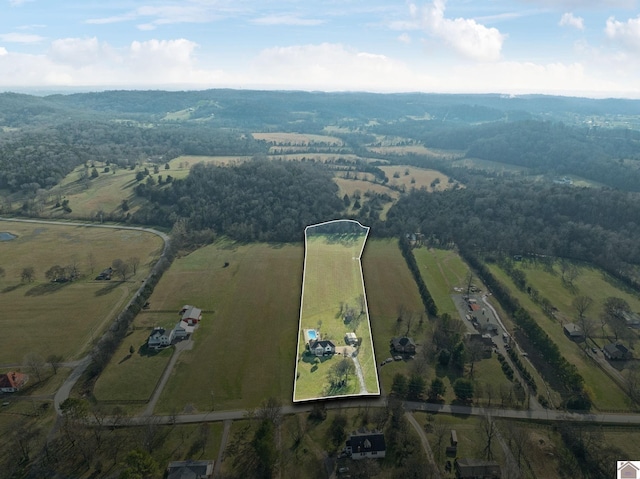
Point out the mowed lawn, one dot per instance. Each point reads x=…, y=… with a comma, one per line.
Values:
x=245, y=346
x=389, y=287
x=605, y=393
x=442, y=270
x=333, y=282
x=46, y=318
x=132, y=377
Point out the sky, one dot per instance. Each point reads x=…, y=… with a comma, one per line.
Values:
x=568, y=47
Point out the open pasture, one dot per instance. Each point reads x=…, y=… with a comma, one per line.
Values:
x=298, y=139
x=244, y=348
x=333, y=303
x=442, y=270
x=412, y=177
x=63, y=318
x=350, y=187
x=415, y=150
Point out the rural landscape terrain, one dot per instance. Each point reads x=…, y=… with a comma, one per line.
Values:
x=312, y=285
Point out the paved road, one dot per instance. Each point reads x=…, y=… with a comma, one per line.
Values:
x=179, y=347
x=82, y=364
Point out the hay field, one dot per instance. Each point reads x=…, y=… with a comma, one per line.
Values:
x=297, y=139
x=53, y=318
x=416, y=150
x=332, y=283
x=244, y=348
x=421, y=177
x=349, y=187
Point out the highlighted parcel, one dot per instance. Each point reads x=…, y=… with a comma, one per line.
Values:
x=335, y=356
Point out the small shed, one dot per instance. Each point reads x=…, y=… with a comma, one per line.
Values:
x=573, y=332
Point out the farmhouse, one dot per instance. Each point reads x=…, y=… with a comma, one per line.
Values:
x=366, y=445
x=190, y=470
x=573, y=332
x=403, y=345
x=12, y=382
x=484, y=340
x=322, y=348
x=475, y=469
x=191, y=314
x=160, y=338
x=616, y=351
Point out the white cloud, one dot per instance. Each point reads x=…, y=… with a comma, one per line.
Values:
x=16, y=3
x=329, y=66
x=286, y=19
x=78, y=51
x=3, y=51
x=20, y=38
x=404, y=38
x=625, y=33
x=569, y=20
x=464, y=35
x=586, y=3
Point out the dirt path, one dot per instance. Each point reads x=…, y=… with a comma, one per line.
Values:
x=363, y=388
x=223, y=445
x=425, y=443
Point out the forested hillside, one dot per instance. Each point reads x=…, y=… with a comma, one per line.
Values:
x=517, y=217
x=254, y=201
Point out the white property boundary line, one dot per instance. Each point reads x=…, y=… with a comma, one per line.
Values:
x=366, y=308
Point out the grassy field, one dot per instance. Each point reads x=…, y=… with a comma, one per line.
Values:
x=416, y=178
x=442, y=270
x=63, y=318
x=415, y=150
x=390, y=288
x=298, y=139
x=332, y=283
x=244, y=349
x=132, y=377
x=604, y=392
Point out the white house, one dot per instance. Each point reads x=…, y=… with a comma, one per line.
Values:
x=322, y=348
x=160, y=338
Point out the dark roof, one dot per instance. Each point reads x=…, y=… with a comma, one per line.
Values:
x=367, y=442
x=466, y=467
x=157, y=332
x=190, y=469
x=323, y=344
x=402, y=342
x=572, y=328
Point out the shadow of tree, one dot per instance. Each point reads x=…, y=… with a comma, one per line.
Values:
x=46, y=288
x=108, y=288
x=8, y=289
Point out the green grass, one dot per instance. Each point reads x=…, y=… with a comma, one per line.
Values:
x=244, y=349
x=132, y=377
x=47, y=318
x=332, y=279
x=442, y=270
x=389, y=287
x=605, y=393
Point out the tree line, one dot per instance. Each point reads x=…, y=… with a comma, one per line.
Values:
x=253, y=201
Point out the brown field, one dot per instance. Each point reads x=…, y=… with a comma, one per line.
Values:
x=349, y=187
x=297, y=139
x=416, y=150
x=422, y=177
x=63, y=318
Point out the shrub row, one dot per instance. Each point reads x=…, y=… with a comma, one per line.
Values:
x=427, y=299
x=574, y=394
x=506, y=369
x=524, y=372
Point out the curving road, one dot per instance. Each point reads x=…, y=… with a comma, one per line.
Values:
x=63, y=393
